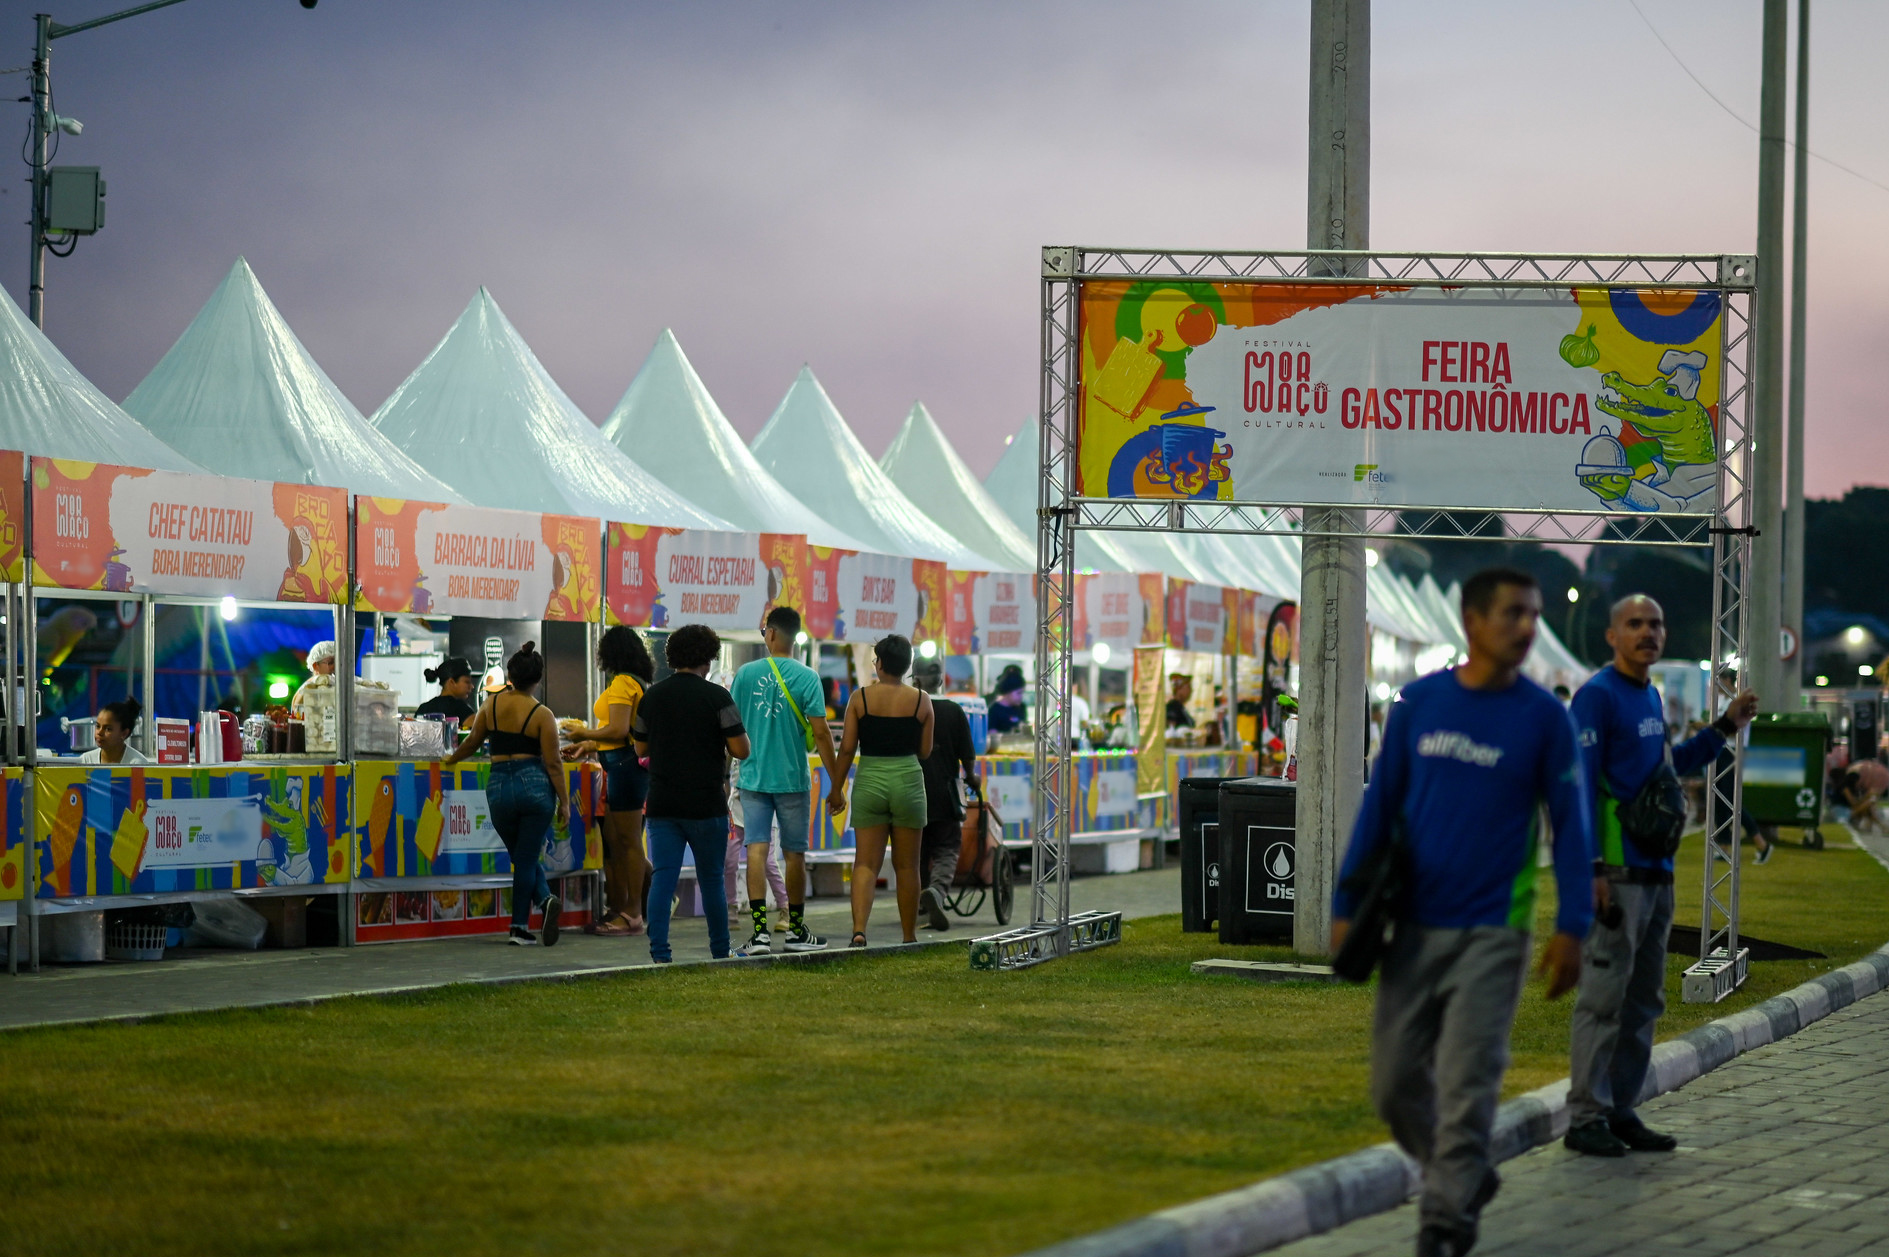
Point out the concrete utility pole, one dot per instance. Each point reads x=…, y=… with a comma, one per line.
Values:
x=1794, y=522
x=1332, y=679
x=1764, y=608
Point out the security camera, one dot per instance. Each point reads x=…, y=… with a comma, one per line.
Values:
x=308, y=4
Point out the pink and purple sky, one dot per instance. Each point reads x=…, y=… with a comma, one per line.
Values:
x=865, y=187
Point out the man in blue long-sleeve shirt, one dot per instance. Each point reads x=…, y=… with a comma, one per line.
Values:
x=1623, y=981
x=1468, y=758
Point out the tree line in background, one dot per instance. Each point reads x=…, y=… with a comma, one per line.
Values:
x=1846, y=571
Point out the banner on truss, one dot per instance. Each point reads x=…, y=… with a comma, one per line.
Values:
x=1578, y=399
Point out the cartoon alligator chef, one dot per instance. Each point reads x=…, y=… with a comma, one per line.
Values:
x=1682, y=461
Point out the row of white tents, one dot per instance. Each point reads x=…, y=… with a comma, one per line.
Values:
x=481, y=421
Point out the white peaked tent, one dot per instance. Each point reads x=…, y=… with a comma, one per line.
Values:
x=240, y=396
x=670, y=427
x=498, y=429
x=807, y=446
x=1445, y=610
x=922, y=462
x=48, y=408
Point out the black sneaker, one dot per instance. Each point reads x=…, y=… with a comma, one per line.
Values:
x=800, y=938
x=1764, y=853
x=1634, y=1134
x=1491, y=1184
x=758, y=942
x=1594, y=1139
x=1442, y=1241
x=932, y=904
x=553, y=908
x=521, y=937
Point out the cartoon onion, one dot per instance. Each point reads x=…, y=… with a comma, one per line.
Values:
x=1578, y=350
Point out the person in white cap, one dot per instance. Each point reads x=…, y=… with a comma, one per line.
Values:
x=321, y=663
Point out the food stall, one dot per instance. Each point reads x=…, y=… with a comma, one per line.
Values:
x=200, y=821
x=426, y=861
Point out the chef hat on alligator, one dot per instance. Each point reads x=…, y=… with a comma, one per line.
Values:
x=1683, y=368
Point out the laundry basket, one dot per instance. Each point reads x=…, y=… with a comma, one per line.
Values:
x=134, y=940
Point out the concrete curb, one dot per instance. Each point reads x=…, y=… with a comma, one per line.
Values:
x=1323, y=1197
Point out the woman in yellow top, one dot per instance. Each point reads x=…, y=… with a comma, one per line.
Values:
x=625, y=660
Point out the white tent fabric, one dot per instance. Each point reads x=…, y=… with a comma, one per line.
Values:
x=1012, y=486
x=670, y=427
x=48, y=408
x=1445, y=609
x=239, y=395
x=807, y=446
x=1555, y=657
x=497, y=428
x=923, y=464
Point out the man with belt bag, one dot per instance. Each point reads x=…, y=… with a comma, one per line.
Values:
x=1639, y=813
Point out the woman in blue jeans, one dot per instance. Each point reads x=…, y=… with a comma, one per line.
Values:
x=526, y=789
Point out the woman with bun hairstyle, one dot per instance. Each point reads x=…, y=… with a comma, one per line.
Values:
x=889, y=727
x=526, y=788
x=455, y=681
x=113, y=728
x=625, y=660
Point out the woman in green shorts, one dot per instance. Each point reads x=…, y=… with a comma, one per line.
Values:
x=888, y=725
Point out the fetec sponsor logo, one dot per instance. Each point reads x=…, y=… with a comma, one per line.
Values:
x=1443, y=744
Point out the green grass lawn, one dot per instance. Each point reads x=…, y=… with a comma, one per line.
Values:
x=880, y=1104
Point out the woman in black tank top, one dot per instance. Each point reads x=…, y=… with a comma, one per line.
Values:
x=888, y=726
x=526, y=790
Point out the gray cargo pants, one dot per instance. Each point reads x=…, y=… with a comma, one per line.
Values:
x=1445, y=1004
x=1623, y=992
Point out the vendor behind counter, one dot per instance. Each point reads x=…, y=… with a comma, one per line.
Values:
x=456, y=683
x=321, y=663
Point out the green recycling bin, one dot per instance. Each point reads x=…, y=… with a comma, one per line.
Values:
x=1784, y=768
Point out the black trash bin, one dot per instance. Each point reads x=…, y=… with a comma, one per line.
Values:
x=1199, y=821
x=1257, y=859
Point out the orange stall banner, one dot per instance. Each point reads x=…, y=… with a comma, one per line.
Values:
x=99, y=526
x=960, y=626
x=12, y=516
x=930, y=577
x=427, y=558
x=666, y=577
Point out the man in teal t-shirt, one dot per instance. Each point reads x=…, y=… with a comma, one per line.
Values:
x=780, y=701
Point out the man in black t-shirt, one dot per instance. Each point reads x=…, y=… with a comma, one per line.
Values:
x=687, y=727
x=952, y=759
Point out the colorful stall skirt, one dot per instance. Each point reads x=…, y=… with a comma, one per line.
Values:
x=13, y=843
x=104, y=830
x=392, y=916
x=419, y=819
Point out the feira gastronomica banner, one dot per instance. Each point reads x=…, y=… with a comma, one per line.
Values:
x=1590, y=399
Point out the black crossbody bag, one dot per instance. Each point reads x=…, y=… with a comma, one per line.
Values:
x=1654, y=819
x=1379, y=885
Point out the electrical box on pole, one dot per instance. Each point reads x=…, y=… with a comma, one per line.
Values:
x=75, y=200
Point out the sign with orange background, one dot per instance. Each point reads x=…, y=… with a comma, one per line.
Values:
x=427, y=558
x=960, y=625
x=12, y=516
x=99, y=526
x=668, y=577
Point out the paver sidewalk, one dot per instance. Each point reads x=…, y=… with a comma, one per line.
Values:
x=1784, y=1151
x=198, y=981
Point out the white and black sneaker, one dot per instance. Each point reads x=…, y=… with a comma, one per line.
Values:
x=800, y=938
x=553, y=908
x=758, y=942
x=521, y=937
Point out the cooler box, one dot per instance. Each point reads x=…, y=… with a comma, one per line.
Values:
x=1783, y=768
x=1199, y=819
x=977, y=712
x=1257, y=859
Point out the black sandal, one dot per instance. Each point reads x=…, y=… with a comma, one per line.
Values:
x=859, y=940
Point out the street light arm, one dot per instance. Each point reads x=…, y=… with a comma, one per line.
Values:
x=58, y=30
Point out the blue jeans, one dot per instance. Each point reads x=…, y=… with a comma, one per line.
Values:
x=708, y=839
x=518, y=793
x=792, y=809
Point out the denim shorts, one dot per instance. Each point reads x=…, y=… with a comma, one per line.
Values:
x=626, y=781
x=792, y=810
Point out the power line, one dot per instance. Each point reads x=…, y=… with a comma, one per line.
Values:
x=1733, y=113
